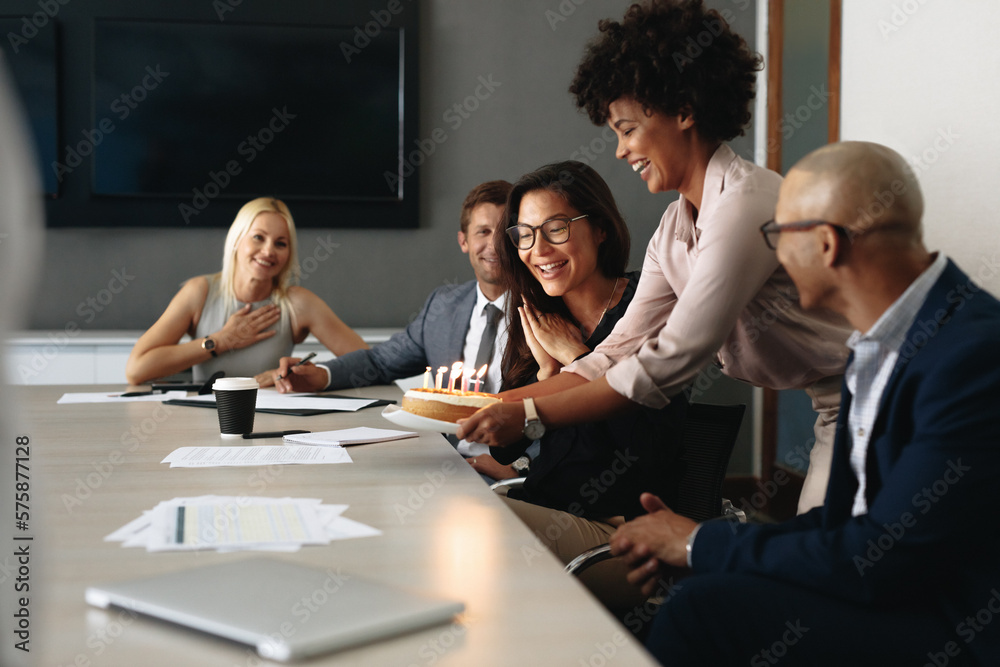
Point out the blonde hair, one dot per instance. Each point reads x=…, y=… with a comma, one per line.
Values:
x=241, y=226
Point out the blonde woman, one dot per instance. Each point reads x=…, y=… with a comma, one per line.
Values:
x=243, y=319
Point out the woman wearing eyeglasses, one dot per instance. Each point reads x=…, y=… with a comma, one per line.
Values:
x=711, y=290
x=563, y=260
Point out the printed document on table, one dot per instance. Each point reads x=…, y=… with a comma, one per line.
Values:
x=230, y=523
x=217, y=457
x=105, y=397
x=272, y=400
x=348, y=436
x=213, y=525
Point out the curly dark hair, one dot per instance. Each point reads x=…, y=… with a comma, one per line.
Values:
x=584, y=190
x=671, y=55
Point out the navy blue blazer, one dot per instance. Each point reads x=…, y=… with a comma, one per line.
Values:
x=931, y=537
x=436, y=337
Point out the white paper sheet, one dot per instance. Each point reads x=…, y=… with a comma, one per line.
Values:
x=229, y=523
x=276, y=401
x=348, y=436
x=257, y=455
x=104, y=397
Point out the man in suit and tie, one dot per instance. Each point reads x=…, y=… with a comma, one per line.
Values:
x=901, y=565
x=457, y=322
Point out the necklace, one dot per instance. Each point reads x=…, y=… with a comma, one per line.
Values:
x=608, y=305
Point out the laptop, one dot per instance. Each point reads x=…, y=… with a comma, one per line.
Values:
x=285, y=611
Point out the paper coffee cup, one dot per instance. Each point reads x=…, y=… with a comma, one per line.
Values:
x=235, y=399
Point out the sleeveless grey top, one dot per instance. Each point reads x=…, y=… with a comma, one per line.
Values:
x=247, y=361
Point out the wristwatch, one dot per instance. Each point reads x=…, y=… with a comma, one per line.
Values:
x=521, y=465
x=209, y=344
x=533, y=426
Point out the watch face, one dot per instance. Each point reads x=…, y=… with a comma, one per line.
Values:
x=533, y=430
x=208, y=344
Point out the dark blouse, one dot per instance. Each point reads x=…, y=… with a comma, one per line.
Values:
x=598, y=469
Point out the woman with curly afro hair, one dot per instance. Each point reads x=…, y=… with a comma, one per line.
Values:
x=675, y=83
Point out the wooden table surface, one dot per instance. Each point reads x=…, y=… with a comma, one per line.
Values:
x=95, y=467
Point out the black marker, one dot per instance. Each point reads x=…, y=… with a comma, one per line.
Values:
x=272, y=434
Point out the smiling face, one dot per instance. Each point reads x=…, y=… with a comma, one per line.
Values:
x=657, y=147
x=477, y=242
x=561, y=268
x=264, y=250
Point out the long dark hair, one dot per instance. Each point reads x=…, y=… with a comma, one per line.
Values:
x=584, y=190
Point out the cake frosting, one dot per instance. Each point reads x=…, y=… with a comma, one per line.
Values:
x=444, y=404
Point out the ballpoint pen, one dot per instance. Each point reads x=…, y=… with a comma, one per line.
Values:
x=300, y=362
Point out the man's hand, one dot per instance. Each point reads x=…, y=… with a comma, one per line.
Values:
x=489, y=466
x=497, y=425
x=306, y=377
x=649, y=543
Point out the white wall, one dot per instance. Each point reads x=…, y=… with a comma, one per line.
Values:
x=921, y=76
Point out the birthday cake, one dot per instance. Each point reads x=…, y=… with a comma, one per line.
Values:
x=445, y=404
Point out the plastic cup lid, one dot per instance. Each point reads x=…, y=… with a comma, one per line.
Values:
x=234, y=384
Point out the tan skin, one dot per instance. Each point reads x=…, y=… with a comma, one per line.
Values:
x=260, y=257
x=673, y=156
x=569, y=271
x=477, y=244
x=859, y=279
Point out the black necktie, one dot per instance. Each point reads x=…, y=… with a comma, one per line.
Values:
x=486, y=343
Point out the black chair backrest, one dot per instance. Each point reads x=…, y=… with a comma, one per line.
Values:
x=709, y=437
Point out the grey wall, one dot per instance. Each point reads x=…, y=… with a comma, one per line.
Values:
x=380, y=278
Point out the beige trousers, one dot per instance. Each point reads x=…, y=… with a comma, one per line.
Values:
x=567, y=536
x=825, y=396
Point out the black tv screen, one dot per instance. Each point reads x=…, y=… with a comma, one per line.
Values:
x=205, y=111
x=31, y=58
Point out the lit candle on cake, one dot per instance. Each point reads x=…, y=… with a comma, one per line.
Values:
x=440, y=375
x=479, y=376
x=427, y=377
x=456, y=372
x=467, y=373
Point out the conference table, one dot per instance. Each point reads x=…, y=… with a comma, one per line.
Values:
x=95, y=467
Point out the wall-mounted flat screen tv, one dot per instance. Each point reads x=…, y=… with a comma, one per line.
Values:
x=31, y=58
x=239, y=110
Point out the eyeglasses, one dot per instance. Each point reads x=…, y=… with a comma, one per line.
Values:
x=770, y=229
x=555, y=231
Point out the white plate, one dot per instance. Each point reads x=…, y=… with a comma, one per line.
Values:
x=401, y=417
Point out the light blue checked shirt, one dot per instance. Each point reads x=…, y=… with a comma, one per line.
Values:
x=875, y=355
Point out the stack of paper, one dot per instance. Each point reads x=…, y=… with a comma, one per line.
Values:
x=230, y=523
x=103, y=397
x=211, y=457
x=348, y=436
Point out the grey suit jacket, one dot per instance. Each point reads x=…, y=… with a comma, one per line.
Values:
x=436, y=337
